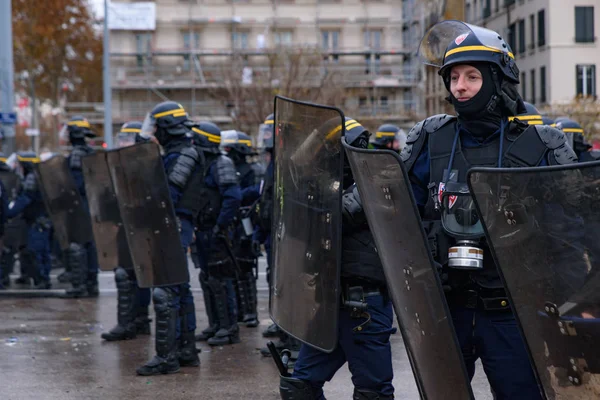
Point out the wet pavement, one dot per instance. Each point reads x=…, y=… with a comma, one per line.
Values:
x=50, y=348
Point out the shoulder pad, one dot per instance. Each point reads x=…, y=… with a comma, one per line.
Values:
x=556, y=141
x=226, y=173
x=415, y=138
x=184, y=167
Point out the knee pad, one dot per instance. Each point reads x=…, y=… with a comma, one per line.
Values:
x=121, y=276
x=295, y=389
x=364, y=394
x=162, y=299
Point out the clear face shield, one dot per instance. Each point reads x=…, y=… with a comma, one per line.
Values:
x=461, y=221
x=124, y=139
x=15, y=165
x=63, y=134
x=265, y=136
x=228, y=139
x=436, y=40
x=148, y=126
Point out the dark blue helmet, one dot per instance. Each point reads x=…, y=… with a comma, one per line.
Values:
x=206, y=134
x=265, y=132
x=547, y=120
x=449, y=43
x=531, y=117
x=78, y=128
x=385, y=135
x=169, y=117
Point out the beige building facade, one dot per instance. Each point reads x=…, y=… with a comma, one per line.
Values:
x=188, y=56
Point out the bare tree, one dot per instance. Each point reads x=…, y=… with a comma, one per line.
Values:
x=250, y=82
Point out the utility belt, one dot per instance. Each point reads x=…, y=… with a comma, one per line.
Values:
x=479, y=298
x=354, y=295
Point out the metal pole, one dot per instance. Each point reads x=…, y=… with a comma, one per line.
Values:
x=108, y=137
x=7, y=71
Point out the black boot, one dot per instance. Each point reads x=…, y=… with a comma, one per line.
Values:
x=6, y=261
x=142, y=322
x=209, y=305
x=240, y=296
x=272, y=331
x=188, y=353
x=126, y=328
x=166, y=360
x=76, y=258
x=228, y=332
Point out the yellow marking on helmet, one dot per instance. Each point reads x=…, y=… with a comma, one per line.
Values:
x=476, y=48
x=553, y=125
x=525, y=117
x=357, y=124
x=572, y=130
x=246, y=142
x=211, y=138
x=536, y=122
x=3, y=159
x=81, y=124
x=269, y=122
x=131, y=130
x=178, y=112
x=28, y=159
x=384, y=134
x=228, y=140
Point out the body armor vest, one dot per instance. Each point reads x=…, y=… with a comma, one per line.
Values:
x=193, y=191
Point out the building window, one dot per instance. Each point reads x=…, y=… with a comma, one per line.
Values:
x=532, y=31
x=586, y=80
x=283, y=38
x=239, y=40
x=191, y=41
x=372, y=39
x=541, y=28
x=468, y=12
x=143, y=44
x=330, y=41
x=523, y=85
x=497, y=7
x=512, y=42
x=522, y=36
x=487, y=10
x=543, y=85
x=532, y=77
x=584, y=24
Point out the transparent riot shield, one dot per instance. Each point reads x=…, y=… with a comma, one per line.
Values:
x=69, y=216
x=306, y=249
x=413, y=283
x=148, y=216
x=107, y=225
x=543, y=225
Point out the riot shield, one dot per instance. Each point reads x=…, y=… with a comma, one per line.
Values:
x=70, y=218
x=107, y=226
x=306, y=249
x=543, y=226
x=413, y=283
x=148, y=216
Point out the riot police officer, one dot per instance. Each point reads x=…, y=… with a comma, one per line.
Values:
x=35, y=257
x=220, y=203
x=385, y=136
x=531, y=116
x=82, y=260
x=174, y=305
x=132, y=301
x=363, y=340
x=575, y=136
x=479, y=71
x=238, y=147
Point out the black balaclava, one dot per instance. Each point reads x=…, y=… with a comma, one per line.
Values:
x=77, y=141
x=480, y=116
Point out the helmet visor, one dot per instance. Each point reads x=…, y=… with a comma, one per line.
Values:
x=435, y=42
x=265, y=136
x=228, y=139
x=125, y=139
x=149, y=125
